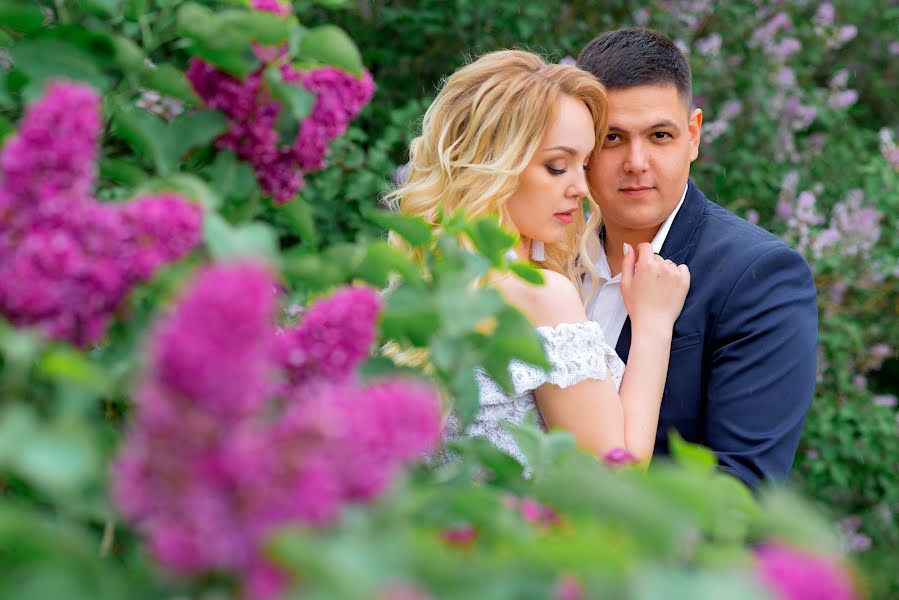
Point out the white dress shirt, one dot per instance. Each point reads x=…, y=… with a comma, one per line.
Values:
x=607, y=305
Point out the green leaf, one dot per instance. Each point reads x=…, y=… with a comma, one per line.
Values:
x=409, y=315
x=147, y=135
x=515, y=337
x=299, y=214
x=25, y=17
x=331, y=45
x=786, y=517
x=527, y=271
x=122, y=171
x=254, y=240
x=194, y=129
x=690, y=455
x=103, y=8
x=6, y=128
x=381, y=260
x=465, y=392
x=227, y=47
x=416, y=231
x=70, y=367
x=233, y=179
x=163, y=143
x=332, y=3
x=197, y=22
x=128, y=54
x=170, y=81
x=311, y=272
x=462, y=309
x=504, y=467
x=17, y=425
x=296, y=104
x=381, y=367
x=679, y=584
x=183, y=184
x=490, y=239
x=46, y=58
x=345, y=256
x=60, y=459
x=263, y=27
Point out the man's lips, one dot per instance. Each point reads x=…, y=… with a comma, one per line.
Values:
x=636, y=191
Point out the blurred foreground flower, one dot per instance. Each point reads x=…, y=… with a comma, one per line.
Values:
x=229, y=442
x=619, y=457
x=793, y=574
x=66, y=260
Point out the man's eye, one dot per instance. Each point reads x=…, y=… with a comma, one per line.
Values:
x=555, y=171
x=612, y=137
x=587, y=167
x=661, y=135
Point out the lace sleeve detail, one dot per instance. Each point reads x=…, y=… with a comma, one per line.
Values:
x=576, y=351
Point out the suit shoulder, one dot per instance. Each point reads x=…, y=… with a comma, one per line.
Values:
x=729, y=235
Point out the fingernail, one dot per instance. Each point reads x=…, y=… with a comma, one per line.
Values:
x=627, y=248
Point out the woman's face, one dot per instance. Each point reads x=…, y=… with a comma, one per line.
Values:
x=553, y=184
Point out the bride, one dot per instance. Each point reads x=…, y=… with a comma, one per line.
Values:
x=512, y=136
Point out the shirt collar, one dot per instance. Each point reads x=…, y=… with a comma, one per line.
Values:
x=659, y=240
x=602, y=264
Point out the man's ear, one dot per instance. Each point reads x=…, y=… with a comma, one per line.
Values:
x=694, y=126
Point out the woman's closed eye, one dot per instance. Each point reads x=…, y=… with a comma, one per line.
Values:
x=563, y=170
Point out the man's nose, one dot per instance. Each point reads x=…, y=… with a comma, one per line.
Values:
x=637, y=160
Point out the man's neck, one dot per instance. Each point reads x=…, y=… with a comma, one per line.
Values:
x=615, y=240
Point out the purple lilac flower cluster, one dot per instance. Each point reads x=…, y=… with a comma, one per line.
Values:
x=253, y=112
x=793, y=574
x=66, y=260
x=852, y=224
x=281, y=8
x=240, y=429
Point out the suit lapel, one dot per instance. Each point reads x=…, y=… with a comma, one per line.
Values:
x=676, y=247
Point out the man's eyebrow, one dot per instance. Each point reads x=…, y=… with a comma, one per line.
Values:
x=663, y=124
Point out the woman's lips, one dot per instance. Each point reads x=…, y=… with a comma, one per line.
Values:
x=567, y=216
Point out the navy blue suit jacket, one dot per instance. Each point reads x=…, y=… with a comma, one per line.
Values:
x=742, y=369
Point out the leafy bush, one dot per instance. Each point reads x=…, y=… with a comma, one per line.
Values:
x=186, y=407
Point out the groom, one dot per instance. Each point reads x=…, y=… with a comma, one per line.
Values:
x=742, y=369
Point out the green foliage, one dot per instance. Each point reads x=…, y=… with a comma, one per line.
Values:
x=603, y=526
x=847, y=459
x=678, y=531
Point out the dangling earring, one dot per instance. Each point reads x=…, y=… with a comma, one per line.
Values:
x=538, y=251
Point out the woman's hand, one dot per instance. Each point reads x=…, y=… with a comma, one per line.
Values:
x=653, y=288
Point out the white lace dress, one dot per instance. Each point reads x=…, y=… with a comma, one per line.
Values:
x=576, y=351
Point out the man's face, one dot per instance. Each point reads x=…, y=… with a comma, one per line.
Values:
x=639, y=174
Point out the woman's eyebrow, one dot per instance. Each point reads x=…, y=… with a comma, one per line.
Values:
x=565, y=149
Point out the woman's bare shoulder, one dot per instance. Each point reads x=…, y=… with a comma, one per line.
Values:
x=556, y=301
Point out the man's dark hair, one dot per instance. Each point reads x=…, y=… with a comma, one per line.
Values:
x=626, y=58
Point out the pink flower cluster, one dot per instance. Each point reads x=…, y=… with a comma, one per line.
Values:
x=66, y=260
x=253, y=114
x=240, y=429
x=278, y=7
x=794, y=574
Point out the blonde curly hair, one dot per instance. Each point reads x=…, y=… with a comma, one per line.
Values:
x=481, y=132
